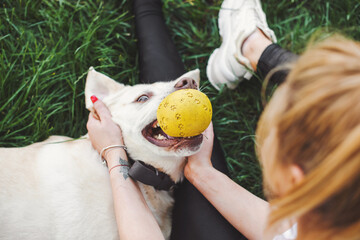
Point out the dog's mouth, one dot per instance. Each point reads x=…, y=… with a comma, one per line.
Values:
x=154, y=134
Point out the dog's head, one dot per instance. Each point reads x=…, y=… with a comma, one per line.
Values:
x=134, y=109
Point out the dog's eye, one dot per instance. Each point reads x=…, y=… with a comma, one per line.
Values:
x=143, y=98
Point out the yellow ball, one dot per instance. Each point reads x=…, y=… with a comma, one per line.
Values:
x=184, y=113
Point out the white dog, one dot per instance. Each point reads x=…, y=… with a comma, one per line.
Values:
x=59, y=189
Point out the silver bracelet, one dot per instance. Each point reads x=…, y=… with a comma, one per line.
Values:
x=108, y=147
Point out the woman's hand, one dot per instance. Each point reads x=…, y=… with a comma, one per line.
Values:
x=102, y=130
x=129, y=202
x=202, y=159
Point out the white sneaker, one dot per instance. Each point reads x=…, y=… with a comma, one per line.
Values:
x=238, y=19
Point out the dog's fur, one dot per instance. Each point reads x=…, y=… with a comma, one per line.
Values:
x=58, y=189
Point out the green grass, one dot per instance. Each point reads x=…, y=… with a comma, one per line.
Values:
x=47, y=46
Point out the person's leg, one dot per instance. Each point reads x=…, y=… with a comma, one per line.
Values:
x=264, y=56
x=272, y=57
x=247, y=46
x=193, y=216
x=158, y=57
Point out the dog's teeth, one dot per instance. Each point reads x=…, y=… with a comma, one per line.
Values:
x=160, y=137
x=157, y=124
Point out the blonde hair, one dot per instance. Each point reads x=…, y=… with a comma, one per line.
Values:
x=316, y=118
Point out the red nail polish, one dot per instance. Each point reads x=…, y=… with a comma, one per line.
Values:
x=93, y=98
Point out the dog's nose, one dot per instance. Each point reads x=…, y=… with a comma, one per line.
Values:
x=186, y=83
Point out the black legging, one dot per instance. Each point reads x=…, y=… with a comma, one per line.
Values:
x=272, y=57
x=193, y=216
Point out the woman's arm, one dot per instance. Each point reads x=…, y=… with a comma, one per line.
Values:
x=245, y=211
x=133, y=216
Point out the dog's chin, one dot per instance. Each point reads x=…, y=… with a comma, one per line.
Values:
x=185, y=152
x=181, y=146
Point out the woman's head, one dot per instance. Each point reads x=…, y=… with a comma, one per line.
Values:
x=309, y=135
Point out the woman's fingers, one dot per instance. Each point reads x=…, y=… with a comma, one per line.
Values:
x=102, y=130
x=208, y=139
x=209, y=132
x=101, y=110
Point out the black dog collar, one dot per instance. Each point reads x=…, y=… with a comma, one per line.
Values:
x=149, y=175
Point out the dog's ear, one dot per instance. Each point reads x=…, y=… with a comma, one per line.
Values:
x=194, y=74
x=99, y=85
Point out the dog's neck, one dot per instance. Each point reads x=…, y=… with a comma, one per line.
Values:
x=173, y=166
x=149, y=175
